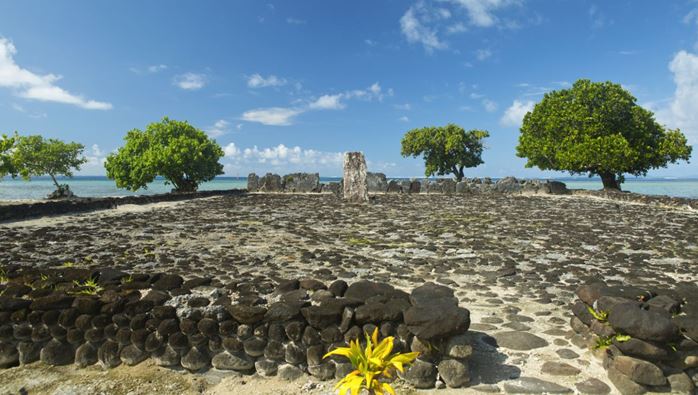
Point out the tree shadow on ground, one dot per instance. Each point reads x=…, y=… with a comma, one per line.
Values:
x=487, y=363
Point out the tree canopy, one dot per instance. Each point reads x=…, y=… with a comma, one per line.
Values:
x=6, y=145
x=446, y=149
x=36, y=156
x=599, y=129
x=175, y=150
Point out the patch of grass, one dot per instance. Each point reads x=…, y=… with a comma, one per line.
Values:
x=606, y=341
x=601, y=316
x=68, y=264
x=3, y=276
x=89, y=287
x=127, y=280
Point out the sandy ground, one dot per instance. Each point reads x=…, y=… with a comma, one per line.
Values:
x=514, y=262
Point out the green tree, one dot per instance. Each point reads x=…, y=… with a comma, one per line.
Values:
x=35, y=156
x=6, y=165
x=175, y=150
x=446, y=149
x=597, y=128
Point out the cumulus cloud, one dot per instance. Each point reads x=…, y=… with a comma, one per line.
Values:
x=481, y=13
x=284, y=116
x=682, y=109
x=281, y=158
x=95, y=161
x=513, y=116
x=258, y=81
x=413, y=26
x=483, y=54
x=157, y=68
x=231, y=150
x=190, y=81
x=219, y=128
x=274, y=116
x=29, y=85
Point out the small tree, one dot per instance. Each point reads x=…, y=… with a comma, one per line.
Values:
x=35, y=156
x=175, y=150
x=446, y=149
x=6, y=145
x=597, y=128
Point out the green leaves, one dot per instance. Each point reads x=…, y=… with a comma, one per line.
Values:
x=597, y=128
x=175, y=150
x=6, y=165
x=446, y=149
x=35, y=156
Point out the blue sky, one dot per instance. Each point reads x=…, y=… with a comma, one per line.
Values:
x=290, y=85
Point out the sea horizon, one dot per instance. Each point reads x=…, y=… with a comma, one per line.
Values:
x=101, y=186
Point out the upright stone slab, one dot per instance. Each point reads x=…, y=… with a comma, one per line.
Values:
x=376, y=182
x=252, y=182
x=355, y=182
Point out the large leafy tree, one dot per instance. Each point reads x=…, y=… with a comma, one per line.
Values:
x=182, y=154
x=6, y=165
x=36, y=156
x=599, y=129
x=446, y=149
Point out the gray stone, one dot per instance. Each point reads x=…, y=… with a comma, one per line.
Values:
x=641, y=372
x=108, y=355
x=521, y=341
x=86, y=355
x=270, y=183
x=593, y=386
x=228, y=361
x=421, y=374
x=531, y=385
x=132, y=355
x=555, y=188
x=342, y=369
x=508, y=185
x=458, y=347
x=166, y=357
x=454, y=372
x=289, y=372
x=355, y=182
x=681, y=384
x=394, y=186
x=195, y=359
x=254, y=346
x=301, y=182
x=28, y=352
x=559, y=369
x=566, y=353
x=252, y=182
x=57, y=353
x=624, y=384
x=9, y=356
x=376, y=182
x=265, y=367
x=323, y=371
x=462, y=187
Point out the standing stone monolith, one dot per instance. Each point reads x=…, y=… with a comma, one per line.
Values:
x=355, y=183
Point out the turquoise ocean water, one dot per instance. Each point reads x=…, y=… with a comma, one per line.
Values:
x=87, y=186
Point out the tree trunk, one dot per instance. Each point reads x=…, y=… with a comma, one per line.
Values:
x=610, y=182
x=458, y=173
x=58, y=187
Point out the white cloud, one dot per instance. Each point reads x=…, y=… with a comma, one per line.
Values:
x=370, y=42
x=489, y=105
x=403, y=107
x=29, y=85
x=327, y=102
x=513, y=116
x=404, y=118
x=295, y=21
x=284, y=116
x=483, y=54
x=274, y=116
x=231, y=150
x=416, y=32
x=481, y=12
x=95, y=161
x=682, y=110
x=190, y=81
x=423, y=23
x=258, y=81
x=219, y=128
x=157, y=68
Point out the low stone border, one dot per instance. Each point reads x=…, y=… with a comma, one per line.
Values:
x=648, y=339
x=656, y=200
x=19, y=211
x=279, y=329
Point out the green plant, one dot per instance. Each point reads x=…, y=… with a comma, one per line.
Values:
x=605, y=341
x=6, y=146
x=126, y=280
x=355, y=241
x=372, y=365
x=89, y=287
x=3, y=276
x=36, y=156
x=597, y=128
x=182, y=154
x=43, y=277
x=68, y=264
x=601, y=316
x=446, y=149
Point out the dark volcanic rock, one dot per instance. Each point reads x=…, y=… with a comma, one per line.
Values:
x=9, y=356
x=631, y=319
x=522, y=341
x=421, y=374
x=247, y=314
x=168, y=282
x=228, y=361
x=437, y=320
x=57, y=353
